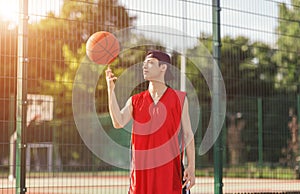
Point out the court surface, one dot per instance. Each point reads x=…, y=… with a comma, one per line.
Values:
x=119, y=185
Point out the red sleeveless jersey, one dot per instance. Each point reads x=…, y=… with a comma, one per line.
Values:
x=156, y=157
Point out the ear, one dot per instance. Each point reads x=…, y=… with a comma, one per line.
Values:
x=163, y=67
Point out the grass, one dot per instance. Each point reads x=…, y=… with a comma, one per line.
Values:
x=251, y=170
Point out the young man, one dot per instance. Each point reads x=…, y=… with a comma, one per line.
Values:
x=160, y=117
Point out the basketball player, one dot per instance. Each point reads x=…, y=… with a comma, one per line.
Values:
x=160, y=115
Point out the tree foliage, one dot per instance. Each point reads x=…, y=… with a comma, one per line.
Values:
x=57, y=48
x=287, y=57
x=246, y=66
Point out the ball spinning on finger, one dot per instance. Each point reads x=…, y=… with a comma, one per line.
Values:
x=102, y=47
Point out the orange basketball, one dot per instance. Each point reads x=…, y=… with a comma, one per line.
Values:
x=102, y=47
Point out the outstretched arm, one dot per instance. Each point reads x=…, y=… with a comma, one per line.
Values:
x=119, y=117
x=189, y=172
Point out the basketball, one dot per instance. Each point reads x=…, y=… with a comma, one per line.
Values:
x=102, y=47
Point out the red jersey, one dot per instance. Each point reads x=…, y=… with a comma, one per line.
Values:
x=156, y=157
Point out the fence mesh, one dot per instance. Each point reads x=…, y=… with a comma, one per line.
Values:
x=259, y=66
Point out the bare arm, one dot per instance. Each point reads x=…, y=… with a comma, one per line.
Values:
x=119, y=117
x=189, y=172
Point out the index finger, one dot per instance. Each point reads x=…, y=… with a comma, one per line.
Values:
x=108, y=69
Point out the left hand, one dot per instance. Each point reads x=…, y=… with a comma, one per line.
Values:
x=189, y=177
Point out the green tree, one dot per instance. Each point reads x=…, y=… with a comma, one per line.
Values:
x=248, y=73
x=75, y=23
x=287, y=59
x=246, y=66
x=288, y=44
x=57, y=48
x=50, y=37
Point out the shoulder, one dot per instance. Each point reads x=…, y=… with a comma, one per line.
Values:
x=177, y=96
x=180, y=94
x=137, y=97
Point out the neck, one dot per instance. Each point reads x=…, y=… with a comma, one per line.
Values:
x=157, y=88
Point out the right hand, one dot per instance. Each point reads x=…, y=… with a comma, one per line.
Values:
x=110, y=78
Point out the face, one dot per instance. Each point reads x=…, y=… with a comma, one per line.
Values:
x=152, y=70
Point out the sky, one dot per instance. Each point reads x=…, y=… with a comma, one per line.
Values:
x=9, y=9
x=256, y=19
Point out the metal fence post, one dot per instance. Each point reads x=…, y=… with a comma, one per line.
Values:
x=199, y=138
x=21, y=101
x=298, y=156
x=224, y=142
x=260, y=133
x=218, y=174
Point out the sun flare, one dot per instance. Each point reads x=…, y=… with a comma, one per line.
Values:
x=9, y=11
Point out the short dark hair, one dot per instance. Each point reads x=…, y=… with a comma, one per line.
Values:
x=163, y=58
